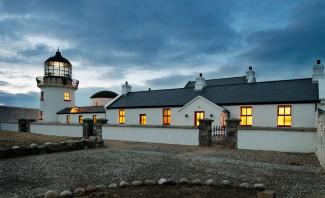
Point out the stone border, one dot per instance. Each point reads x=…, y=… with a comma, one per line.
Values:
x=293, y=129
x=50, y=147
x=151, y=126
x=79, y=191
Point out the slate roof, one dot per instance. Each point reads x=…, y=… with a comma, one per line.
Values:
x=83, y=110
x=220, y=81
x=270, y=92
x=104, y=94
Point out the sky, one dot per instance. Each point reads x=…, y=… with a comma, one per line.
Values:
x=155, y=43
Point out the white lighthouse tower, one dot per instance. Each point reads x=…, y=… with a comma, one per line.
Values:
x=57, y=87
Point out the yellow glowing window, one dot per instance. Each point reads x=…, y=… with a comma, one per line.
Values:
x=198, y=115
x=166, y=116
x=284, y=115
x=66, y=96
x=81, y=119
x=94, y=118
x=121, y=116
x=68, y=119
x=246, y=116
x=143, y=119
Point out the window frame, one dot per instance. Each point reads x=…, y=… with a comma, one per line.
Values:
x=68, y=119
x=94, y=118
x=242, y=107
x=166, y=116
x=197, y=122
x=284, y=115
x=121, y=117
x=67, y=96
x=141, y=119
x=41, y=115
x=80, y=119
x=42, y=96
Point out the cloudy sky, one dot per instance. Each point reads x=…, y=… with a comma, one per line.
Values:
x=155, y=43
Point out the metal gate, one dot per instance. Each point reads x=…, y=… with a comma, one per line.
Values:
x=218, y=135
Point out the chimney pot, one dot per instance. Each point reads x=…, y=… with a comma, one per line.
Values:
x=250, y=75
x=126, y=88
x=199, y=83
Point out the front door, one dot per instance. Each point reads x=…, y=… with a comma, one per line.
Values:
x=198, y=115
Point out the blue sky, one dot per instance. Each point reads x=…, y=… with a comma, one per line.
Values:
x=155, y=43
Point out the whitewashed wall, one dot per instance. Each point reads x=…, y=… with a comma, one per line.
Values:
x=152, y=134
x=100, y=101
x=277, y=140
x=303, y=115
x=70, y=130
x=9, y=126
x=62, y=118
x=320, y=140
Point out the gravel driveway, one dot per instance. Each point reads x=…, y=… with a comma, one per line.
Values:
x=291, y=175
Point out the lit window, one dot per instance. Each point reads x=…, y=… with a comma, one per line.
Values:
x=246, y=116
x=42, y=96
x=74, y=109
x=166, y=116
x=284, y=116
x=81, y=119
x=198, y=115
x=41, y=115
x=143, y=119
x=121, y=116
x=68, y=119
x=66, y=96
x=94, y=118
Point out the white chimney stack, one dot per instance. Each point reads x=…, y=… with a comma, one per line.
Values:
x=126, y=88
x=318, y=71
x=199, y=83
x=250, y=75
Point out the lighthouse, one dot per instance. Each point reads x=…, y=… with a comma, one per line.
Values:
x=57, y=87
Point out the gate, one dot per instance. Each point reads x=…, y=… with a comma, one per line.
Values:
x=218, y=135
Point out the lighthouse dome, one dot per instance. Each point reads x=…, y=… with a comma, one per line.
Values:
x=58, y=66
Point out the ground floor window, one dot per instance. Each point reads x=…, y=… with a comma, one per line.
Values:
x=198, y=115
x=143, y=119
x=246, y=116
x=68, y=119
x=284, y=115
x=94, y=118
x=166, y=116
x=121, y=116
x=81, y=119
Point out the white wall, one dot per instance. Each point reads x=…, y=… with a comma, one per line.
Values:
x=100, y=101
x=303, y=115
x=9, y=126
x=70, y=130
x=62, y=118
x=174, y=135
x=284, y=141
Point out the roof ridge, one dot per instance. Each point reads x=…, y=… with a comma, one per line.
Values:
x=220, y=78
x=158, y=90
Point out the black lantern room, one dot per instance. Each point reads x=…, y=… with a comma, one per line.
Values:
x=57, y=66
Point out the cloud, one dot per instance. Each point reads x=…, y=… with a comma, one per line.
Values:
x=30, y=100
x=171, y=81
x=35, y=51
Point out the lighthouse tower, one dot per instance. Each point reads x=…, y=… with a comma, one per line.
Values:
x=57, y=87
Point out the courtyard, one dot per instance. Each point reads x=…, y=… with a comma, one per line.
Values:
x=291, y=175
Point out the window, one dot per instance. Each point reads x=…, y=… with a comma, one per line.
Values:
x=42, y=95
x=121, y=116
x=284, y=115
x=81, y=119
x=166, y=116
x=68, y=119
x=94, y=118
x=198, y=115
x=41, y=115
x=67, y=96
x=246, y=116
x=143, y=119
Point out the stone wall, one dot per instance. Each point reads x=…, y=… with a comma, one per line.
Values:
x=15, y=113
x=320, y=139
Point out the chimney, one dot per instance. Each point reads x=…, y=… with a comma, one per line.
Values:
x=199, y=83
x=126, y=88
x=318, y=71
x=250, y=75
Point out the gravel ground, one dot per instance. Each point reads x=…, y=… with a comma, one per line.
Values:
x=291, y=175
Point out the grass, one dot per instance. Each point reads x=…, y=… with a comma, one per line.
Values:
x=9, y=139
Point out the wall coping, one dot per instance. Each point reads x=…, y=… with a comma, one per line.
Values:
x=10, y=122
x=151, y=126
x=293, y=129
x=55, y=123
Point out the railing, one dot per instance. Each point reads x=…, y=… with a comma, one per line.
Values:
x=57, y=81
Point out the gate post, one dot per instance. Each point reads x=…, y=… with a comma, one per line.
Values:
x=205, y=129
x=87, y=127
x=232, y=132
x=98, y=128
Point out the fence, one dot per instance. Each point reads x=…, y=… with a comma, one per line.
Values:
x=58, y=129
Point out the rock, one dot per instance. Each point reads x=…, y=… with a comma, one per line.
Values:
x=171, y=182
x=15, y=147
x=124, y=184
x=113, y=185
x=66, y=193
x=183, y=181
x=149, y=182
x=196, y=182
x=225, y=182
x=91, y=188
x=136, y=183
x=266, y=194
x=244, y=185
x=100, y=187
x=162, y=181
x=33, y=145
x=259, y=186
x=210, y=182
x=48, y=143
x=51, y=194
x=79, y=191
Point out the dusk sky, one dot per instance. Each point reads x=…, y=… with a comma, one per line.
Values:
x=155, y=43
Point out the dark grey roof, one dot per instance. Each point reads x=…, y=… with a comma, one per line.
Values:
x=104, y=94
x=220, y=81
x=58, y=57
x=270, y=92
x=83, y=110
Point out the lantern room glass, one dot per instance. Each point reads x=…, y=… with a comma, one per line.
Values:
x=60, y=69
